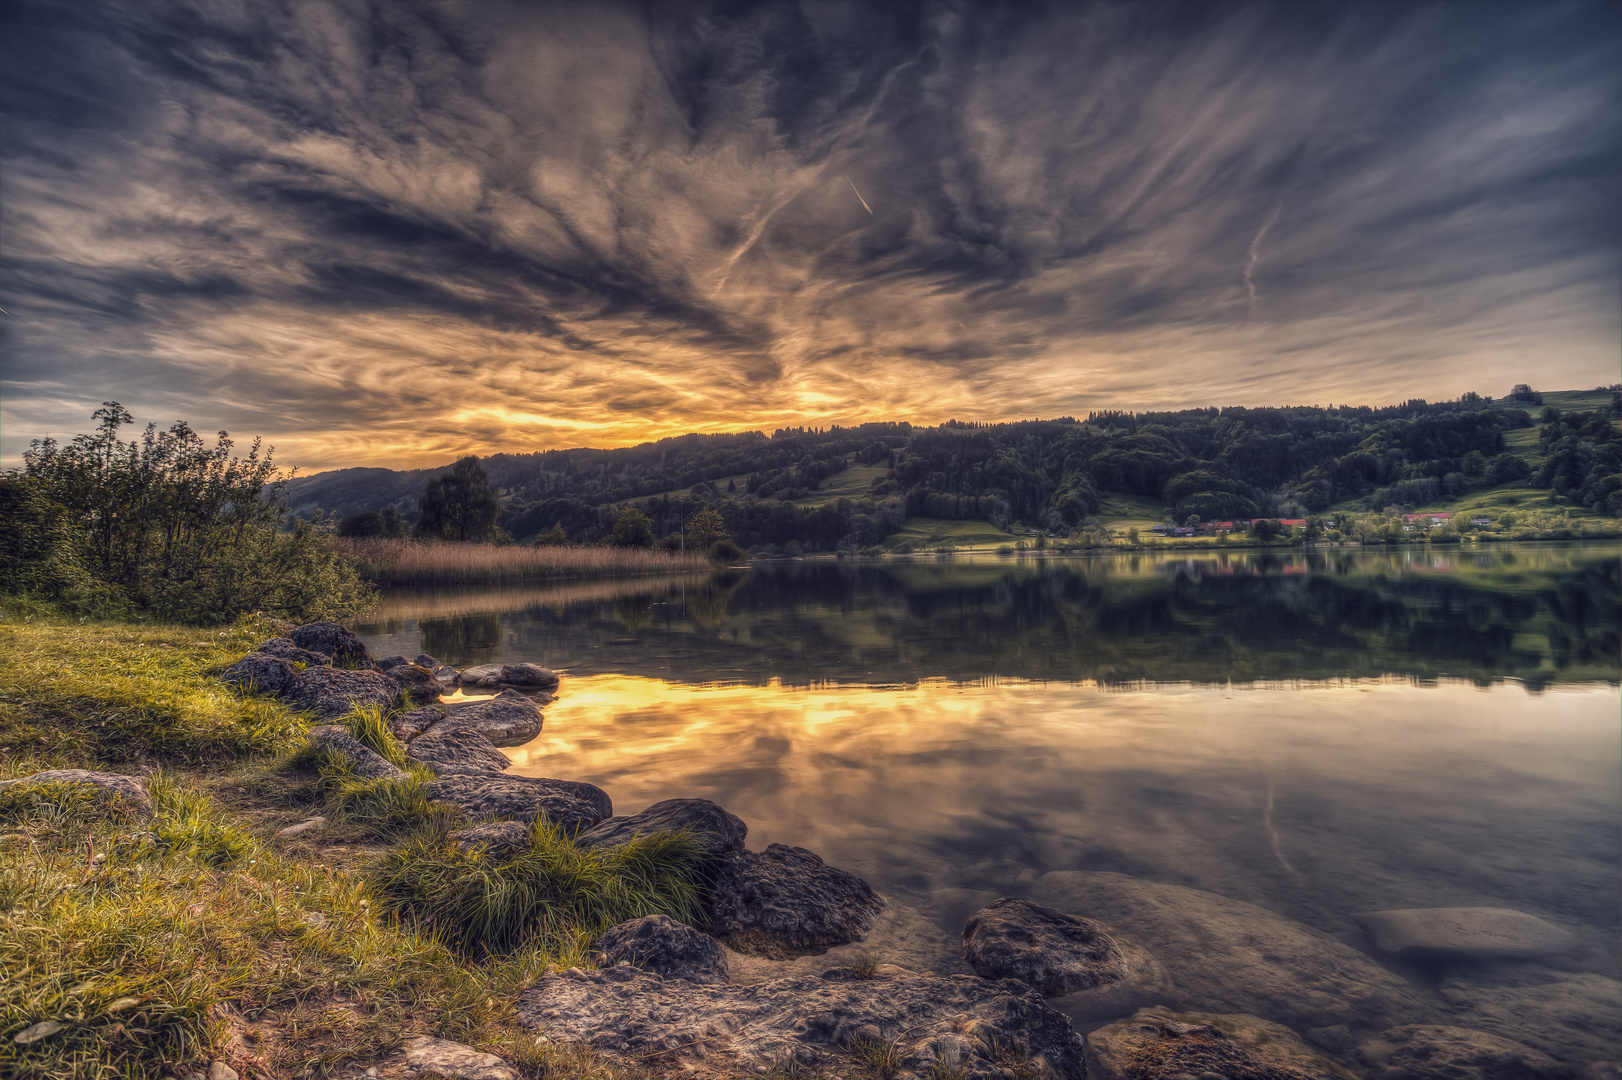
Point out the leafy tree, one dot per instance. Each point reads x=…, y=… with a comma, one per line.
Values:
x=365, y=523
x=633, y=529
x=459, y=506
x=555, y=537
x=705, y=528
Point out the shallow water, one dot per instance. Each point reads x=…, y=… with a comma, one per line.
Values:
x=1320, y=736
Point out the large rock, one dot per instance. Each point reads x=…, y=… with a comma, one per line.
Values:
x=528, y=677
x=288, y=650
x=786, y=900
x=260, y=673
x=1156, y=1044
x=508, y=719
x=386, y=662
x=331, y=692
x=568, y=803
x=498, y=840
x=417, y=684
x=1432, y=1052
x=406, y=726
x=457, y=751
x=716, y=831
x=660, y=944
x=963, y=1023
x=487, y=674
x=1094, y=975
x=901, y=935
x=330, y=638
x=1569, y=1016
x=1227, y=956
x=124, y=794
x=1467, y=933
x=358, y=758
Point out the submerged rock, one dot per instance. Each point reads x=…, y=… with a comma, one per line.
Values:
x=716, y=831
x=1224, y=954
x=902, y=936
x=1156, y=1044
x=568, y=803
x=1569, y=1016
x=260, y=673
x=121, y=793
x=499, y=840
x=330, y=638
x=660, y=944
x=508, y=719
x=1053, y=952
x=457, y=751
x=786, y=900
x=331, y=692
x=960, y=1023
x=1467, y=933
x=359, y=758
x=1434, y=1052
x=288, y=650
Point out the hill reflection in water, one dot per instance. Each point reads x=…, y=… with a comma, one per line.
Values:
x=1541, y=614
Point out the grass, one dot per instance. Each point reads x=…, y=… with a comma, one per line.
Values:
x=552, y=893
x=925, y=532
x=147, y=948
x=419, y=562
x=853, y=482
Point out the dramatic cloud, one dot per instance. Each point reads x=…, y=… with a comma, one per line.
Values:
x=397, y=233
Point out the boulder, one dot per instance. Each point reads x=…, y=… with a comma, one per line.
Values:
x=960, y=1023
x=786, y=900
x=331, y=692
x=664, y=946
x=1466, y=933
x=716, y=831
x=508, y=719
x=499, y=840
x=424, y=660
x=1433, y=1052
x=1227, y=955
x=417, y=684
x=359, y=758
x=1570, y=1016
x=902, y=936
x=1155, y=1044
x=1053, y=952
x=124, y=794
x=260, y=673
x=406, y=726
x=457, y=751
x=452, y=1060
x=446, y=676
x=388, y=662
x=330, y=638
x=287, y=650
x=487, y=674
x=528, y=677
x=1092, y=973
x=567, y=803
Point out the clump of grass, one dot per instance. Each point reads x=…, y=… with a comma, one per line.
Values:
x=369, y=724
x=424, y=561
x=56, y=804
x=189, y=824
x=551, y=893
x=392, y=807
x=866, y=966
x=879, y=1057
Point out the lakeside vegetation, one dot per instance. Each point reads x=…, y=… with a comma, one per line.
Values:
x=143, y=948
x=892, y=486
x=414, y=562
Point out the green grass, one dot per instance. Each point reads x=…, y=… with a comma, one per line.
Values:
x=925, y=532
x=1120, y=511
x=146, y=948
x=552, y=893
x=853, y=483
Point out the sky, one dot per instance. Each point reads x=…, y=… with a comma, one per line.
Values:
x=393, y=234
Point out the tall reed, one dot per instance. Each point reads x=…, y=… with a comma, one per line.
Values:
x=428, y=562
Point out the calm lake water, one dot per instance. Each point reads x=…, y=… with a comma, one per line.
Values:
x=1319, y=734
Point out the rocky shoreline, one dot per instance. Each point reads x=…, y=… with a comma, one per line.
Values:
x=795, y=967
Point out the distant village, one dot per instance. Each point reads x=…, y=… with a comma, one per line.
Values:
x=1410, y=523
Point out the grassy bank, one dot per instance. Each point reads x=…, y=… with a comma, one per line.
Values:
x=148, y=947
x=419, y=562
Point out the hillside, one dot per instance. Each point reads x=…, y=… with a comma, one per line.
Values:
x=985, y=484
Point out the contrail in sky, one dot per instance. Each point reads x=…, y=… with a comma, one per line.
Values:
x=852, y=184
x=1256, y=252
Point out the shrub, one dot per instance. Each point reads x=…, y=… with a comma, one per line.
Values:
x=725, y=551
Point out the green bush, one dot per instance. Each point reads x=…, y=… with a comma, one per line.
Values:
x=549, y=893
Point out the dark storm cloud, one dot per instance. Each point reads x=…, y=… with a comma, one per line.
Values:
x=394, y=233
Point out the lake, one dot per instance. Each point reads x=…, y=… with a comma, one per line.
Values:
x=1320, y=734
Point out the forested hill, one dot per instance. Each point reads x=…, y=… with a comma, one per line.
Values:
x=1050, y=474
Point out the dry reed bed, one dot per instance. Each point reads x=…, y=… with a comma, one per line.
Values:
x=439, y=603
x=430, y=562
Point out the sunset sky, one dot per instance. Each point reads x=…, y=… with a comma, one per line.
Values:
x=396, y=234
